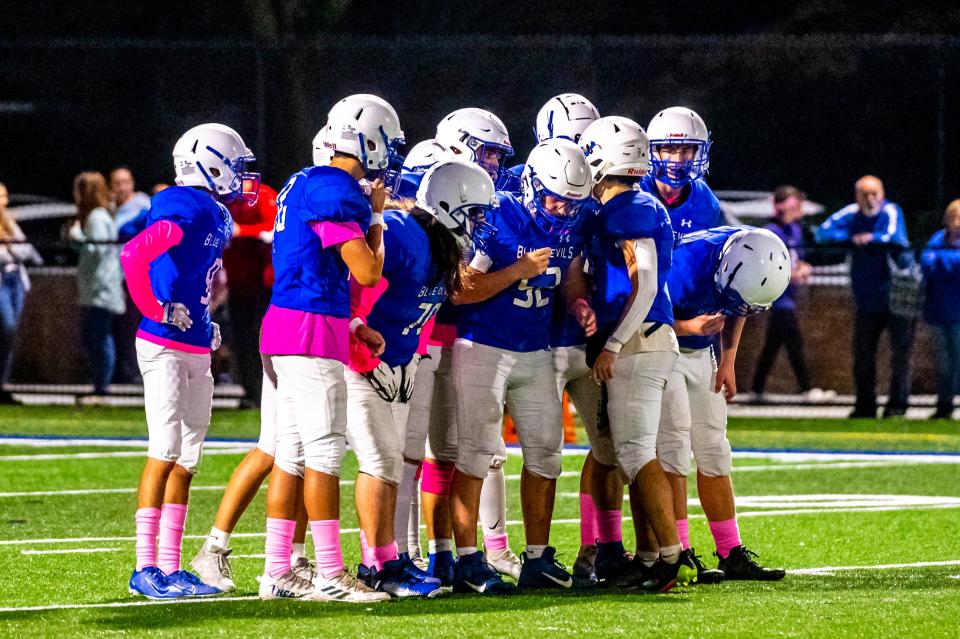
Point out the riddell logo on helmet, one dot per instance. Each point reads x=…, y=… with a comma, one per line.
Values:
x=633, y=171
x=572, y=194
x=330, y=145
x=676, y=135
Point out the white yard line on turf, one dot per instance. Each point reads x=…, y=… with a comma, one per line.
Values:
x=123, y=453
x=68, y=551
x=826, y=570
x=124, y=604
x=111, y=491
x=120, y=442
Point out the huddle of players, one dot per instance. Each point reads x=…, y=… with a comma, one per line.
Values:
x=405, y=332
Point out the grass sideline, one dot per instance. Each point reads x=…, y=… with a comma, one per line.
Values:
x=802, y=513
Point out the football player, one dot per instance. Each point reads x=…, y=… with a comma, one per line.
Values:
x=727, y=272
x=680, y=157
x=170, y=267
x=632, y=349
x=423, y=257
x=326, y=230
x=500, y=354
x=479, y=136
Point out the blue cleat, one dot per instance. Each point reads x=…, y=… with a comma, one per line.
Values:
x=190, y=585
x=441, y=566
x=401, y=578
x=414, y=569
x=153, y=584
x=471, y=574
x=547, y=572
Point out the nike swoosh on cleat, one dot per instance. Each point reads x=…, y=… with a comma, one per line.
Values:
x=481, y=589
x=566, y=583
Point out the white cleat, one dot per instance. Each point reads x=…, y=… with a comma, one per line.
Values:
x=504, y=562
x=817, y=395
x=304, y=568
x=344, y=588
x=213, y=568
x=289, y=585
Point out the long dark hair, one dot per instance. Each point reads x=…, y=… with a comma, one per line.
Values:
x=445, y=251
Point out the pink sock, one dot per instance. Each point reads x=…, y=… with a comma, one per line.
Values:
x=495, y=542
x=726, y=535
x=279, y=546
x=383, y=554
x=326, y=542
x=172, y=520
x=683, y=532
x=588, y=520
x=608, y=526
x=148, y=526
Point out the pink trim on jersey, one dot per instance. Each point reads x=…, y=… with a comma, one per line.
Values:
x=286, y=331
x=136, y=256
x=362, y=301
x=169, y=343
x=333, y=233
x=443, y=335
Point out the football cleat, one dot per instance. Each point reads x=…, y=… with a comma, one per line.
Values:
x=344, y=588
x=289, y=585
x=191, y=585
x=704, y=575
x=740, y=564
x=418, y=560
x=546, y=572
x=212, y=566
x=504, y=561
x=472, y=574
x=401, y=578
x=662, y=577
x=152, y=584
x=612, y=562
x=304, y=568
x=441, y=566
x=415, y=568
x=584, y=566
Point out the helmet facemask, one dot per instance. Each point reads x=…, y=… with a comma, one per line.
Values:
x=678, y=173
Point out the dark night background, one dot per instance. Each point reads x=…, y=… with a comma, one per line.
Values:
x=811, y=92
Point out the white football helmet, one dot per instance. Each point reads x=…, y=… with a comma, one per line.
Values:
x=423, y=155
x=674, y=126
x=470, y=133
x=556, y=168
x=457, y=192
x=214, y=156
x=362, y=126
x=565, y=116
x=615, y=145
x=753, y=271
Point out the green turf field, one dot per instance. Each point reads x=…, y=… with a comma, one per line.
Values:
x=871, y=542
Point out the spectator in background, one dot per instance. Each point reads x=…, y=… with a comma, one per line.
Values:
x=783, y=329
x=247, y=261
x=875, y=229
x=99, y=278
x=940, y=262
x=128, y=205
x=14, y=285
x=129, y=229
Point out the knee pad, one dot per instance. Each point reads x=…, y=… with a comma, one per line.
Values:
x=632, y=459
x=711, y=450
x=437, y=476
x=386, y=468
x=601, y=446
x=189, y=458
x=474, y=463
x=290, y=461
x=325, y=455
x=673, y=451
x=542, y=462
x=415, y=444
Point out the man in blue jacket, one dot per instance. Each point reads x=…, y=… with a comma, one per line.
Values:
x=874, y=229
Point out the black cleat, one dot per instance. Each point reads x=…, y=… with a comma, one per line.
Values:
x=584, y=566
x=704, y=575
x=612, y=562
x=740, y=564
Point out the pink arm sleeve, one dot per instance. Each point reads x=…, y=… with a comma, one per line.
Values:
x=137, y=254
x=333, y=233
x=362, y=298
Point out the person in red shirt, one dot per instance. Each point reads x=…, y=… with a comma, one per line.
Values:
x=247, y=261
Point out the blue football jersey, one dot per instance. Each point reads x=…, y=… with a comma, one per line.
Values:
x=691, y=280
x=628, y=216
x=185, y=273
x=698, y=211
x=414, y=291
x=408, y=183
x=518, y=317
x=565, y=330
x=309, y=277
